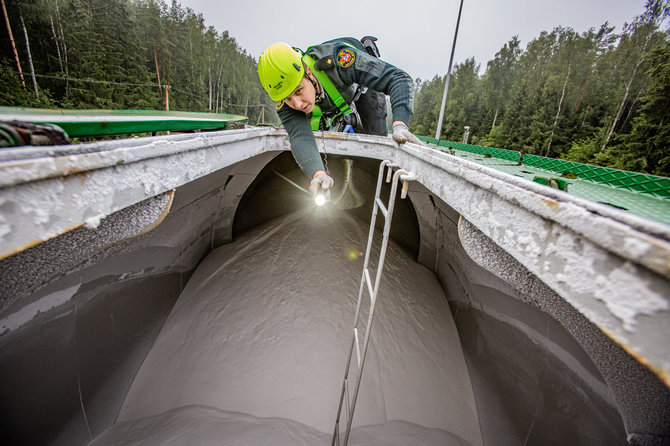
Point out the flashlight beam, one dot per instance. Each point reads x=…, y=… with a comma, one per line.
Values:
x=292, y=183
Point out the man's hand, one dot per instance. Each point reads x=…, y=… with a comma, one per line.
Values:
x=322, y=181
x=401, y=134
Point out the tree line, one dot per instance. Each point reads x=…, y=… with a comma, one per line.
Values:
x=123, y=54
x=595, y=97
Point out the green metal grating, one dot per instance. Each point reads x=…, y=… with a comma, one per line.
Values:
x=509, y=155
x=640, y=194
x=638, y=182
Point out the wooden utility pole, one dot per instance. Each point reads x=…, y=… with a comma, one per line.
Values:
x=11, y=38
x=158, y=73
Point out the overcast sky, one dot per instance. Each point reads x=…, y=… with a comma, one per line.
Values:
x=415, y=35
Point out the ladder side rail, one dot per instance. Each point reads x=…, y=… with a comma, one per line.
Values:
x=373, y=220
x=378, y=204
x=380, y=178
x=336, y=434
x=394, y=188
x=387, y=229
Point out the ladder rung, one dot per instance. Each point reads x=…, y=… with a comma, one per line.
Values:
x=381, y=206
x=368, y=281
x=358, y=348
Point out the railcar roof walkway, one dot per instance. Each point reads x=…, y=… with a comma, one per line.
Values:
x=640, y=194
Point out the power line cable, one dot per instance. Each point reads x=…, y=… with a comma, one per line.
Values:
x=95, y=81
x=129, y=84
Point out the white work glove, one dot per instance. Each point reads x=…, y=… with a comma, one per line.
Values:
x=402, y=134
x=323, y=182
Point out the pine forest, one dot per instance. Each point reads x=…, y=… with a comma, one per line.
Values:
x=121, y=54
x=599, y=97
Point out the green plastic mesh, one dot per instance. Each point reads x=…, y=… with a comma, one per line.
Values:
x=640, y=194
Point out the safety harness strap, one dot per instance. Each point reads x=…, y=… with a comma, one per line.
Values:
x=316, y=117
x=330, y=90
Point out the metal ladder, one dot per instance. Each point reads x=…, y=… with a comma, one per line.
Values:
x=366, y=282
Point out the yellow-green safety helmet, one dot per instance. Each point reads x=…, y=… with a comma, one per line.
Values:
x=280, y=70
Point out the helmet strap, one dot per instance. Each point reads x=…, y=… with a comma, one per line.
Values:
x=317, y=86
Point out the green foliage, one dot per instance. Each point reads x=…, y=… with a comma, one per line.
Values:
x=125, y=54
x=495, y=137
x=583, y=151
x=645, y=147
x=11, y=92
x=593, y=97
